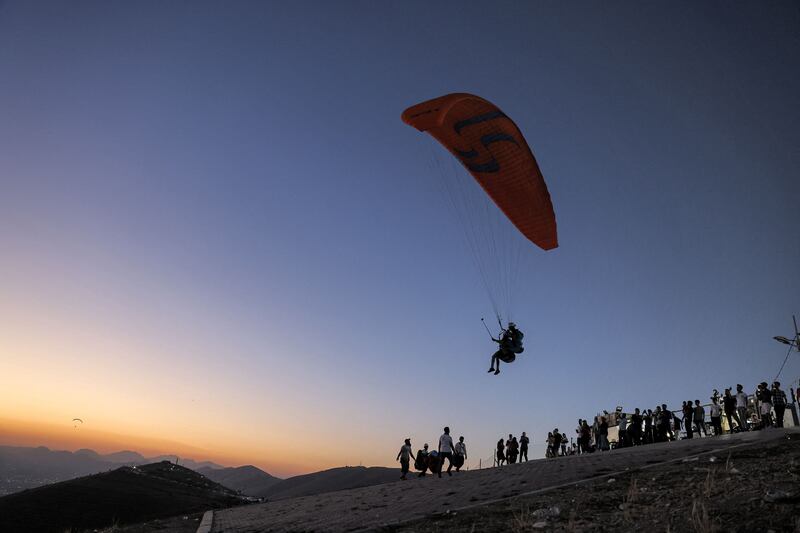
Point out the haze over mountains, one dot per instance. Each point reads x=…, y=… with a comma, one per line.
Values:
x=24, y=467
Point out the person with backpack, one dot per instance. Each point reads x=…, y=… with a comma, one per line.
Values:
x=510, y=342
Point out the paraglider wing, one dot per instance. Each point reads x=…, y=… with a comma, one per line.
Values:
x=77, y=420
x=493, y=150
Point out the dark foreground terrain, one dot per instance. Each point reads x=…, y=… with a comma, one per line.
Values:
x=122, y=496
x=750, y=489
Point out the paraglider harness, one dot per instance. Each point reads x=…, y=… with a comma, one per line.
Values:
x=510, y=341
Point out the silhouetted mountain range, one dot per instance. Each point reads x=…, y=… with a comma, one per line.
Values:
x=122, y=496
x=23, y=468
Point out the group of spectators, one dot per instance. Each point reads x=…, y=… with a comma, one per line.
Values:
x=433, y=460
x=663, y=425
x=509, y=450
x=765, y=409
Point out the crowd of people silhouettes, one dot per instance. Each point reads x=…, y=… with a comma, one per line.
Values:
x=764, y=409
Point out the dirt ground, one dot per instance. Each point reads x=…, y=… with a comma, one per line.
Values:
x=177, y=524
x=752, y=489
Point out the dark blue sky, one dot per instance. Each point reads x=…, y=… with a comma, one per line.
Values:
x=229, y=188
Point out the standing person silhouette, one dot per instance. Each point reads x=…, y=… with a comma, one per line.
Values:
x=461, y=453
x=403, y=456
x=501, y=455
x=741, y=405
x=446, y=451
x=716, y=416
x=523, y=447
x=700, y=418
x=729, y=406
x=778, y=403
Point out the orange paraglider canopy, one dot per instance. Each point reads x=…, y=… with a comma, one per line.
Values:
x=493, y=150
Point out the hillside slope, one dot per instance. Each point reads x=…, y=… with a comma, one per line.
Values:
x=247, y=479
x=347, y=477
x=124, y=495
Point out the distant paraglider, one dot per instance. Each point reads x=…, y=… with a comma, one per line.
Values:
x=75, y=421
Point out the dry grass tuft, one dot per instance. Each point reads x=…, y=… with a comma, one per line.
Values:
x=701, y=521
x=728, y=463
x=701, y=518
x=522, y=520
x=629, y=499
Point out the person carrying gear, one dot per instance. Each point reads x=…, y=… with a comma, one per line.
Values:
x=421, y=462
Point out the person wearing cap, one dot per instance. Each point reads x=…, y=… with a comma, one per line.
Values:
x=778, y=403
x=403, y=456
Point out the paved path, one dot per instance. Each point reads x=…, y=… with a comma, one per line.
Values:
x=370, y=507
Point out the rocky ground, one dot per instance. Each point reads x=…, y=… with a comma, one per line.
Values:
x=750, y=489
x=177, y=524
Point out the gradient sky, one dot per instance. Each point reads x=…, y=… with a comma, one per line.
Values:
x=218, y=238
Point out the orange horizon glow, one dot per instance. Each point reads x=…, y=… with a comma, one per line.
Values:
x=68, y=437
x=138, y=395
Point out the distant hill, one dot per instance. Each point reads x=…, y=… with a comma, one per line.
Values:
x=24, y=467
x=247, y=479
x=347, y=477
x=121, y=496
x=188, y=463
x=126, y=457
